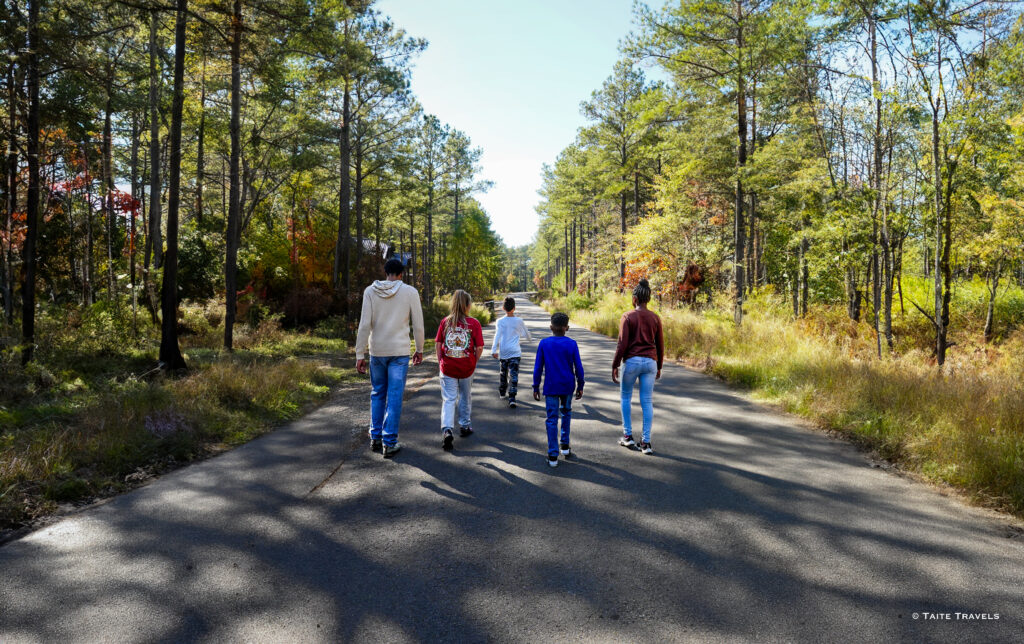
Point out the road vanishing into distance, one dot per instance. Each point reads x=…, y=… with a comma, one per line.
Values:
x=743, y=527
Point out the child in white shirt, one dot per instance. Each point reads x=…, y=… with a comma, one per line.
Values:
x=506, y=349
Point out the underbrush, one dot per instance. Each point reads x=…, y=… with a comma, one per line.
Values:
x=91, y=415
x=962, y=426
x=436, y=311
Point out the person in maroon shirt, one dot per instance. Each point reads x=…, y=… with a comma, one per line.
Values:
x=641, y=351
x=459, y=341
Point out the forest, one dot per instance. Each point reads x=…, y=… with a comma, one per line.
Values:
x=845, y=180
x=190, y=186
x=825, y=150
x=160, y=153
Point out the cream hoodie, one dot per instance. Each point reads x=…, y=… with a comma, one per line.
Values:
x=388, y=308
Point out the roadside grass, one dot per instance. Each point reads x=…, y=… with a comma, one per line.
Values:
x=91, y=417
x=962, y=426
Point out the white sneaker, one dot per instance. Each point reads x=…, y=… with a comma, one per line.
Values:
x=627, y=441
x=565, y=450
x=552, y=462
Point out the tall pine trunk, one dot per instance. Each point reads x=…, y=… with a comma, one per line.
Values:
x=155, y=244
x=341, y=248
x=12, y=189
x=170, y=353
x=108, y=184
x=28, y=291
x=200, y=146
x=234, y=192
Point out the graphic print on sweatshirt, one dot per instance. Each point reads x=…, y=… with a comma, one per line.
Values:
x=457, y=341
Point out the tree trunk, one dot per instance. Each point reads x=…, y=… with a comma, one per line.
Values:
x=235, y=191
x=341, y=248
x=358, y=204
x=565, y=254
x=87, y=267
x=28, y=289
x=155, y=243
x=622, y=244
x=805, y=275
x=132, y=215
x=992, y=282
x=200, y=146
x=170, y=353
x=12, y=190
x=741, y=161
x=427, y=260
x=108, y=185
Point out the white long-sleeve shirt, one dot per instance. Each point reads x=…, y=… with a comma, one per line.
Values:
x=507, y=333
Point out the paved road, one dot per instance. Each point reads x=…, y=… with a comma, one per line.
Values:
x=742, y=527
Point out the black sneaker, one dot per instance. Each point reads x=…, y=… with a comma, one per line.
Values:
x=511, y=403
x=447, y=438
x=465, y=431
x=376, y=445
x=627, y=441
x=552, y=461
x=646, y=448
x=501, y=394
x=564, y=449
x=391, y=450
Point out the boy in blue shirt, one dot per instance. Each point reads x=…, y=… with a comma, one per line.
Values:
x=560, y=356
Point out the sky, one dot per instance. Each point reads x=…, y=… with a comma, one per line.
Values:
x=511, y=75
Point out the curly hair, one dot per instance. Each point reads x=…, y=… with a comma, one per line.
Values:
x=642, y=292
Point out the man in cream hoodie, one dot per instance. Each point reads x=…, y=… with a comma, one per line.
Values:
x=389, y=306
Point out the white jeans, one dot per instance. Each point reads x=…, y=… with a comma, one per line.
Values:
x=456, y=390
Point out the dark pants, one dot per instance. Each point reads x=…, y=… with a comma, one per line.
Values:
x=558, y=405
x=509, y=377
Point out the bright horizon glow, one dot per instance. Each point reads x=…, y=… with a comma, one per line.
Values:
x=511, y=75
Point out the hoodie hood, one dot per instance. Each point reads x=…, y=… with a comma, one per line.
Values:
x=386, y=288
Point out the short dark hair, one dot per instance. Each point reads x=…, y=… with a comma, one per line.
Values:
x=510, y=303
x=394, y=266
x=560, y=320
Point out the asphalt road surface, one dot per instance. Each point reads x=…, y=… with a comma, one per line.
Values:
x=743, y=526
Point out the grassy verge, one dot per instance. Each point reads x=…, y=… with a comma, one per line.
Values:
x=963, y=426
x=90, y=418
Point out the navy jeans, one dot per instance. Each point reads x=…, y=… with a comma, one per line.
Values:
x=558, y=405
x=387, y=379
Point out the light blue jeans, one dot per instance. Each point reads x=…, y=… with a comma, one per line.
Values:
x=387, y=379
x=456, y=390
x=644, y=369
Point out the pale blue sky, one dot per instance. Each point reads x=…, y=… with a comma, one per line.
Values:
x=511, y=75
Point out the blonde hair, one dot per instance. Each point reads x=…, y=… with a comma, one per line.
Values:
x=459, y=308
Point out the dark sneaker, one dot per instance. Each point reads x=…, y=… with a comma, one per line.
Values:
x=566, y=452
x=646, y=448
x=447, y=438
x=627, y=441
x=391, y=450
x=552, y=461
x=465, y=431
x=501, y=394
x=376, y=445
x=511, y=403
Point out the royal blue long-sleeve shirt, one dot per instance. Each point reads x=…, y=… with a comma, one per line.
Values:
x=559, y=357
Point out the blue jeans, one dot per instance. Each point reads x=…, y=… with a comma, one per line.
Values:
x=556, y=405
x=644, y=369
x=456, y=391
x=387, y=378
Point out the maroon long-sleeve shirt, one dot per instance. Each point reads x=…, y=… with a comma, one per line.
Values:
x=640, y=335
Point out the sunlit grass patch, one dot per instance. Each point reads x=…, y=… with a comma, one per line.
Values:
x=963, y=426
x=69, y=433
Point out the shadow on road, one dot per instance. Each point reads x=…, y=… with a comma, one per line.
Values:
x=740, y=528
